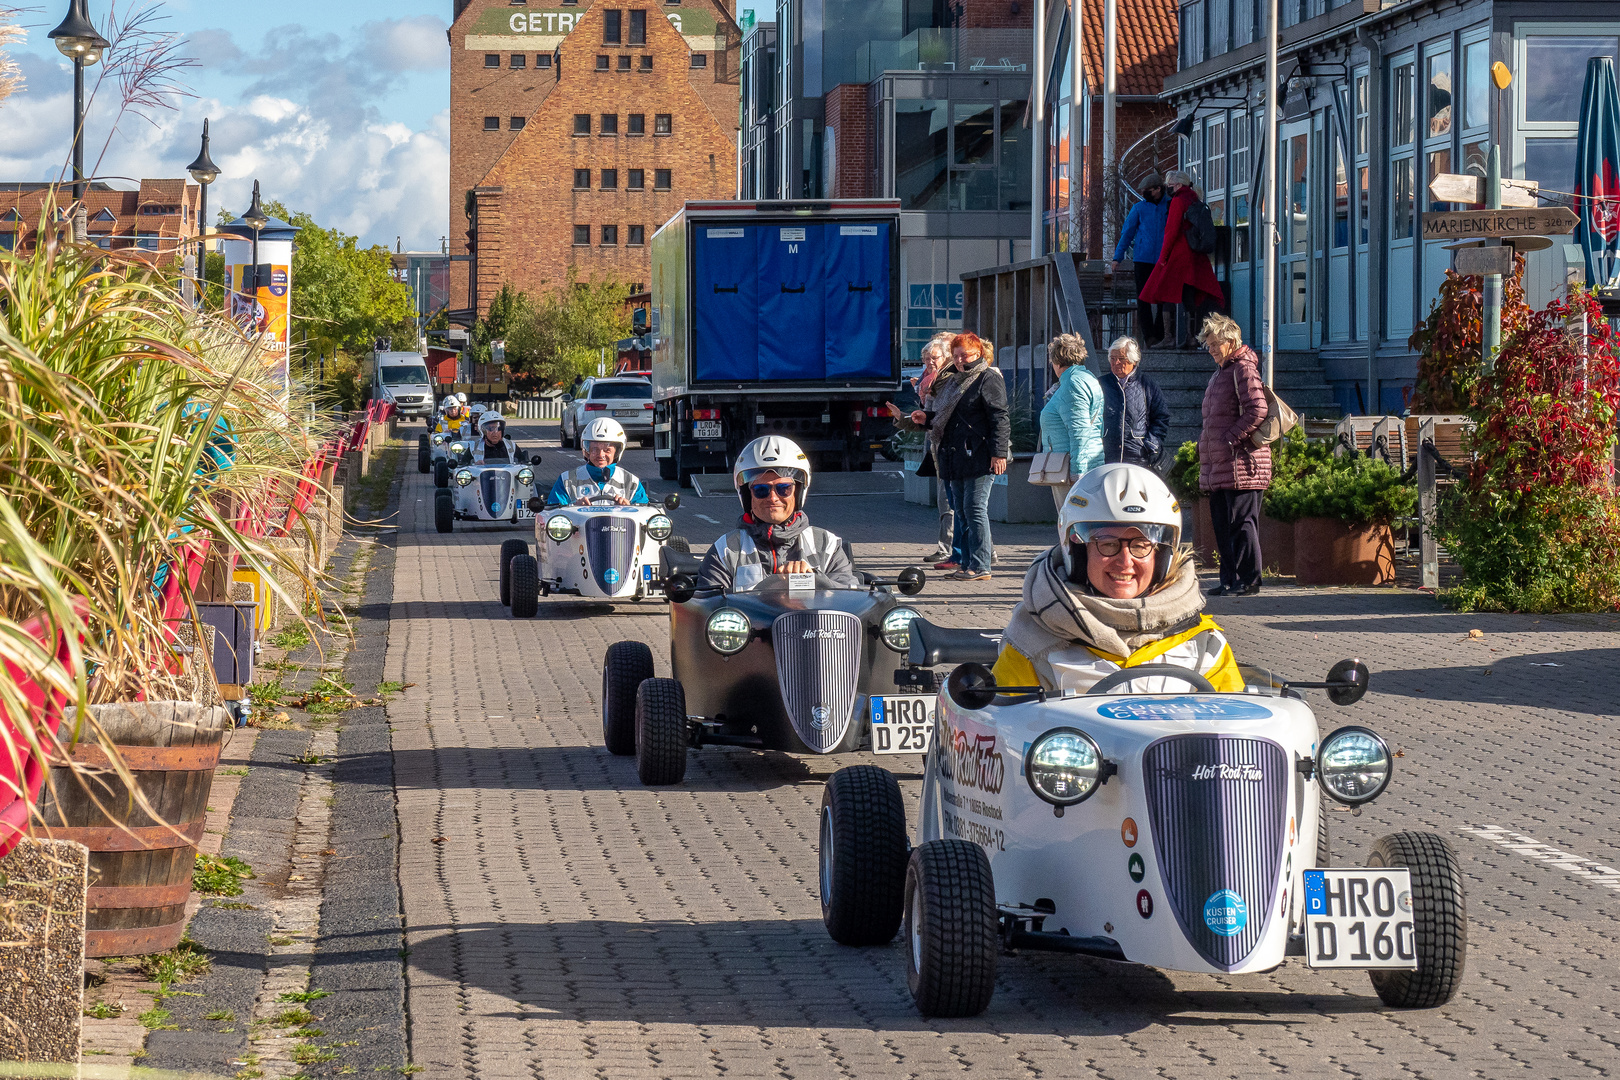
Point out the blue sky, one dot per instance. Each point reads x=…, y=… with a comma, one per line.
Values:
x=339, y=108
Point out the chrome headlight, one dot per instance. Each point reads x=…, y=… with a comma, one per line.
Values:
x=896, y=629
x=1064, y=766
x=728, y=631
x=458, y=448
x=464, y=477
x=559, y=528
x=438, y=439
x=659, y=527
x=1353, y=765
x=525, y=477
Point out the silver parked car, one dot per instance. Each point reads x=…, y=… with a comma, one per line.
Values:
x=628, y=399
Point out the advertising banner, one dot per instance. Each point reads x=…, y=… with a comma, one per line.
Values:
x=260, y=303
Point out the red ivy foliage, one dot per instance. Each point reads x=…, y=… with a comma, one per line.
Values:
x=1448, y=340
x=1547, y=413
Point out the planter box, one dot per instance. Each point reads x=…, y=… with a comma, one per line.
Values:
x=1331, y=552
x=1277, y=546
x=1015, y=501
x=918, y=489
x=1202, y=537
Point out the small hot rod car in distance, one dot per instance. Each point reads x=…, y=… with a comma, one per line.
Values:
x=596, y=550
x=793, y=664
x=1181, y=830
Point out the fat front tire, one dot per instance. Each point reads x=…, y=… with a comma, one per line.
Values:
x=661, y=732
x=680, y=544
x=862, y=856
x=441, y=473
x=627, y=665
x=444, y=512
x=423, y=454
x=1439, y=920
x=950, y=928
x=525, y=576
x=510, y=549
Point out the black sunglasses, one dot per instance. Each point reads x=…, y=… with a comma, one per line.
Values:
x=783, y=489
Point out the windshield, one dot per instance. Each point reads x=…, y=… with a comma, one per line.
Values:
x=616, y=390
x=400, y=374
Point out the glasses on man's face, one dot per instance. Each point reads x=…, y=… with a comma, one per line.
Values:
x=763, y=491
x=1108, y=546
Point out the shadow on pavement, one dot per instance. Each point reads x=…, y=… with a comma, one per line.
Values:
x=1515, y=680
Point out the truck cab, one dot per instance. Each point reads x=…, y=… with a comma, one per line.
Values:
x=402, y=378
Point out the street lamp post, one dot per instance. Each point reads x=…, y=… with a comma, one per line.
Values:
x=76, y=39
x=256, y=219
x=205, y=172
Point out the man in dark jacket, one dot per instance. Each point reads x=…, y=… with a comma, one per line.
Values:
x=1136, y=418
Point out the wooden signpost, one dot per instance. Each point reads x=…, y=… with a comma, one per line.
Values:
x=1468, y=188
x=1484, y=260
x=1480, y=224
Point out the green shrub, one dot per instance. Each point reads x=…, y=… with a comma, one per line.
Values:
x=1543, y=552
x=1183, y=474
x=1357, y=490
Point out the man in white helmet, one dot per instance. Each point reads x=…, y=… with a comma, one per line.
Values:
x=601, y=479
x=493, y=446
x=1117, y=591
x=453, y=415
x=772, y=477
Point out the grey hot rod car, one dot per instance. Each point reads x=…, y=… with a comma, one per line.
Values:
x=795, y=664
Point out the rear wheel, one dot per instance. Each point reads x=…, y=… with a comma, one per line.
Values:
x=862, y=856
x=661, y=732
x=680, y=544
x=441, y=473
x=1439, y=920
x=423, y=460
x=562, y=435
x=627, y=665
x=950, y=928
x=444, y=512
x=666, y=468
x=510, y=549
x=525, y=574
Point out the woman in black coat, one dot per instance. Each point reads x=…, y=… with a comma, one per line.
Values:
x=1136, y=418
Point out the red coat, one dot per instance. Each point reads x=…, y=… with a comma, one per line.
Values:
x=1180, y=265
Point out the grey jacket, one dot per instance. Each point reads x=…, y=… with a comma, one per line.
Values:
x=740, y=559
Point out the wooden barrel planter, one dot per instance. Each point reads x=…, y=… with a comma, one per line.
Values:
x=1277, y=546
x=1203, y=537
x=1328, y=551
x=140, y=867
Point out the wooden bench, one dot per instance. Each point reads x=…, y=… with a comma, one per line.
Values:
x=1439, y=447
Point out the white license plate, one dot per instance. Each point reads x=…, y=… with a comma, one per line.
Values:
x=902, y=723
x=626, y=412
x=1359, y=918
x=706, y=429
x=524, y=513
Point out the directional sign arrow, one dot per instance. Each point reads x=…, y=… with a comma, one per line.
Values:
x=1484, y=260
x=1474, y=224
x=1467, y=188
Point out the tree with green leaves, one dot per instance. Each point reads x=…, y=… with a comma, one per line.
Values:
x=571, y=328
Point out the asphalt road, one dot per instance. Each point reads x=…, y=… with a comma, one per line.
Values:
x=564, y=921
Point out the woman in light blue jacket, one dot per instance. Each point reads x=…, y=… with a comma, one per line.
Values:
x=1072, y=420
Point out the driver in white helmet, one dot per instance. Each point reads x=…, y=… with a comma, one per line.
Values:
x=1117, y=591
x=772, y=477
x=601, y=479
x=493, y=446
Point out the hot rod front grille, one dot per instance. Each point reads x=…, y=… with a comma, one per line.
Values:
x=818, y=664
x=610, y=544
x=496, y=487
x=1218, y=806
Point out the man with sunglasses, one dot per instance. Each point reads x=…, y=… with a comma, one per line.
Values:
x=774, y=535
x=1116, y=592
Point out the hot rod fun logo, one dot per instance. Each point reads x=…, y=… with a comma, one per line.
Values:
x=972, y=761
x=1223, y=771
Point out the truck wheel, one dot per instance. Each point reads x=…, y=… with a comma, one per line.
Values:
x=646, y=444
x=441, y=473
x=525, y=587
x=444, y=512
x=680, y=544
x=684, y=477
x=950, y=928
x=862, y=856
x=666, y=468
x=1439, y=920
x=661, y=732
x=627, y=665
x=510, y=549
x=423, y=460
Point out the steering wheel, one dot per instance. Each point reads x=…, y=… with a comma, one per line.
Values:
x=1199, y=684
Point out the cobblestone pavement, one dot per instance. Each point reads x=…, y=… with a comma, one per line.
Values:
x=564, y=921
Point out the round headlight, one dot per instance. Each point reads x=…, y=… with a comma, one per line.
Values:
x=438, y=440
x=464, y=477
x=659, y=527
x=896, y=628
x=1353, y=765
x=525, y=476
x=728, y=631
x=1064, y=766
x=559, y=528
x=458, y=448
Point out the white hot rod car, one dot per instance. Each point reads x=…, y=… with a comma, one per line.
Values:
x=597, y=551
x=1181, y=830
x=496, y=492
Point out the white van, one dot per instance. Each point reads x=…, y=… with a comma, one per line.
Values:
x=402, y=377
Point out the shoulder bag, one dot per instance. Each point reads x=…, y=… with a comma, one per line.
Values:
x=1280, y=419
x=1049, y=468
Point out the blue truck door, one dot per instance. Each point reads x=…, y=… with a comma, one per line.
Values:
x=859, y=340
x=725, y=302
x=791, y=296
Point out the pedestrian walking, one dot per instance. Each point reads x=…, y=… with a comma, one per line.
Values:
x=936, y=357
x=1184, y=275
x=1072, y=418
x=1136, y=417
x=970, y=435
x=1232, y=470
x=1143, y=239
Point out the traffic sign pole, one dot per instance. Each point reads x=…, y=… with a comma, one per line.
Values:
x=1491, y=323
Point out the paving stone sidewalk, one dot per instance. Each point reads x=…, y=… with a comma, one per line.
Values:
x=563, y=921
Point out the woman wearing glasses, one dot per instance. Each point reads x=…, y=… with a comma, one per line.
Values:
x=1117, y=591
x=774, y=535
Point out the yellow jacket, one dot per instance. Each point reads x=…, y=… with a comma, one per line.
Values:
x=1203, y=648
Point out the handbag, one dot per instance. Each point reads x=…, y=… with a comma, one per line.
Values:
x=1279, y=421
x=1049, y=468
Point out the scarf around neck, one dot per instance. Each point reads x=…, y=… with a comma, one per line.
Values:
x=950, y=388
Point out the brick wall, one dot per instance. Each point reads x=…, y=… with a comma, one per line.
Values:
x=1001, y=14
x=850, y=121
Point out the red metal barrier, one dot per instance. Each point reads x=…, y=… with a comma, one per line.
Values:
x=21, y=774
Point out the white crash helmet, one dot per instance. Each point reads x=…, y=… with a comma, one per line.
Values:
x=461, y=399
x=604, y=429
x=1115, y=495
x=771, y=453
x=491, y=418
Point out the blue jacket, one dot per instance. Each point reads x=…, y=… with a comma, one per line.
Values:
x=1072, y=421
x=1145, y=226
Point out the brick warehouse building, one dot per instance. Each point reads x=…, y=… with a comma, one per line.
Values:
x=577, y=129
